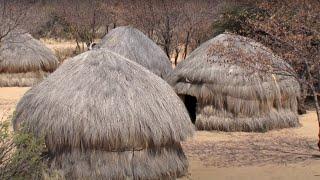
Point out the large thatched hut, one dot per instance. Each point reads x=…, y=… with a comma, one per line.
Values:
x=106, y=117
x=134, y=45
x=231, y=83
x=24, y=61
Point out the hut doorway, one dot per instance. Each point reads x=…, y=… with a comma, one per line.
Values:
x=191, y=105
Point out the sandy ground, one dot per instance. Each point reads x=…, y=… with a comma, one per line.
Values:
x=8, y=99
x=288, y=154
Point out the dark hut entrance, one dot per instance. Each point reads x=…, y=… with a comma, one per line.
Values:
x=191, y=105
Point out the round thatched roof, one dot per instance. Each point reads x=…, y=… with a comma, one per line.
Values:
x=123, y=120
x=21, y=53
x=134, y=45
x=235, y=90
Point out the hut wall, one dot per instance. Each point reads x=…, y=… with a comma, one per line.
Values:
x=228, y=113
x=256, y=107
x=152, y=163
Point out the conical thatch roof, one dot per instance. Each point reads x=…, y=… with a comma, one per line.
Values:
x=106, y=117
x=134, y=45
x=24, y=60
x=231, y=94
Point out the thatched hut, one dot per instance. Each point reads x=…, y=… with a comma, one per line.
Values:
x=106, y=117
x=24, y=61
x=134, y=45
x=226, y=85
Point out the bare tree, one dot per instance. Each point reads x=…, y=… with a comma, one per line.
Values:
x=141, y=14
x=176, y=25
x=291, y=29
x=298, y=30
x=197, y=18
x=83, y=19
x=14, y=18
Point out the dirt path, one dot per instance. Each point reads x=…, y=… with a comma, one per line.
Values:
x=9, y=96
x=298, y=171
x=288, y=154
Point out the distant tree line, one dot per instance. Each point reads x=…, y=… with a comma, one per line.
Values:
x=178, y=26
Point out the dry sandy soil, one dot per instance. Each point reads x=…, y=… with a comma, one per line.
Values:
x=288, y=154
x=8, y=100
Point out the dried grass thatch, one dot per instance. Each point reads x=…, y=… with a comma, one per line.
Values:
x=24, y=61
x=134, y=45
x=21, y=79
x=231, y=94
x=106, y=117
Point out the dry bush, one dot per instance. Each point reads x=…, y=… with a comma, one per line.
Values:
x=64, y=54
x=21, y=154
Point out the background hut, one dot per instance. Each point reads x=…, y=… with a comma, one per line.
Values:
x=106, y=117
x=226, y=87
x=134, y=45
x=24, y=61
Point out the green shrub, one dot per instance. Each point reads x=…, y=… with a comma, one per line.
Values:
x=21, y=154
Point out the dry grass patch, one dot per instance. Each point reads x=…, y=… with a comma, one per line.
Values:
x=63, y=49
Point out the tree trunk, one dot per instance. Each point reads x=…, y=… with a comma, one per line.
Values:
x=176, y=57
x=315, y=98
x=304, y=93
x=317, y=106
x=93, y=27
x=198, y=42
x=107, y=30
x=166, y=37
x=78, y=45
x=186, y=44
x=166, y=49
x=318, y=81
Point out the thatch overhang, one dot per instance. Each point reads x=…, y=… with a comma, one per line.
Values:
x=106, y=117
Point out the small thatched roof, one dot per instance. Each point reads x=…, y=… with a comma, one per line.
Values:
x=24, y=61
x=20, y=53
x=134, y=45
x=106, y=117
x=234, y=89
